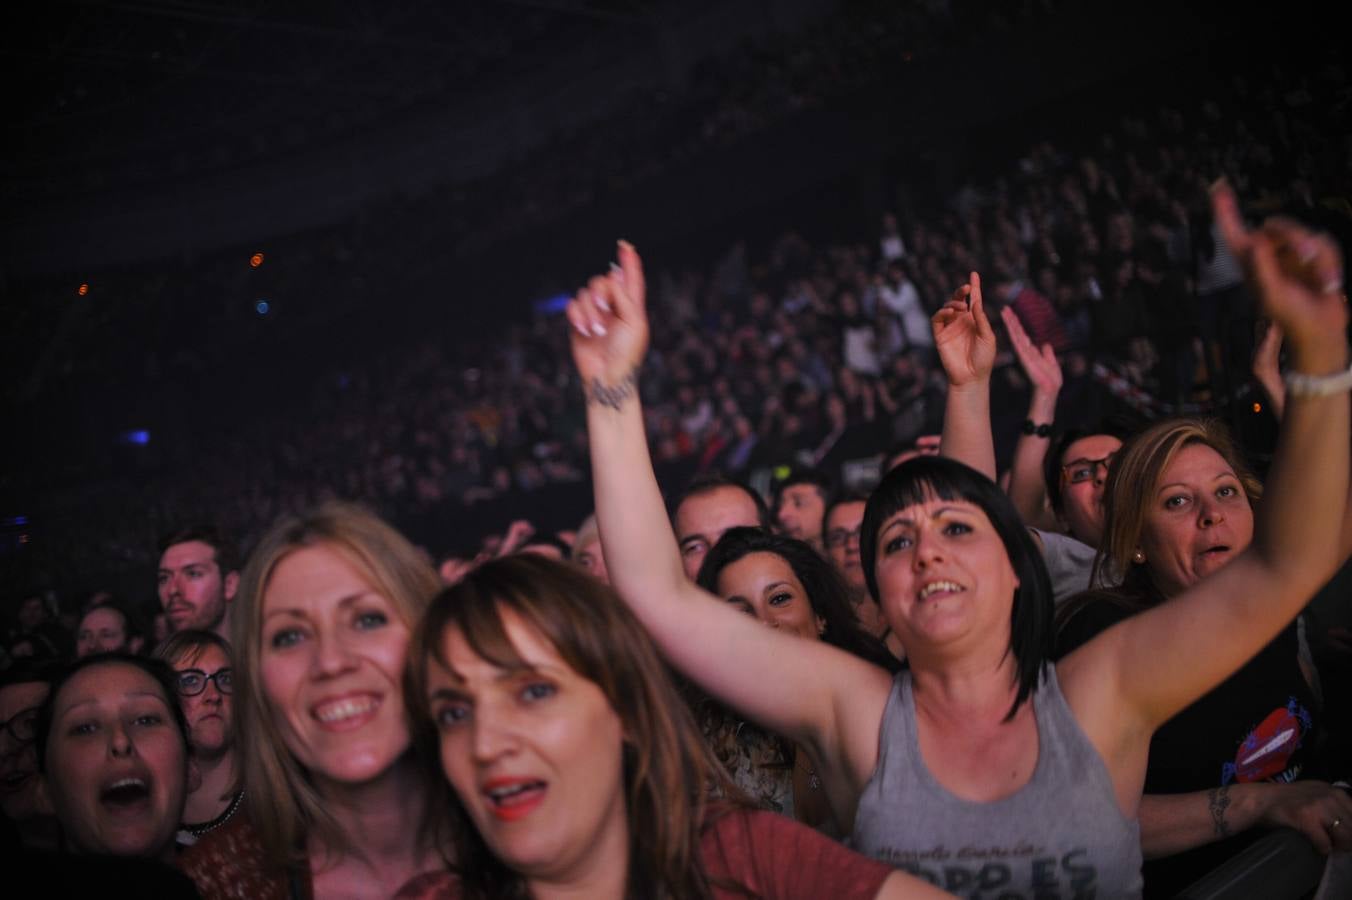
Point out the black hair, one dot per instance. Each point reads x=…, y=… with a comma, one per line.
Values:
x=1120, y=427
x=839, y=500
x=155, y=668
x=227, y=558
x=28, y=671
x=935, y=477
x=826, y=590
x=815, y=477
x=708, y=483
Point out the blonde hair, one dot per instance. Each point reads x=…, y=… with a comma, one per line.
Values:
x=1129, y=491
x=284, y=806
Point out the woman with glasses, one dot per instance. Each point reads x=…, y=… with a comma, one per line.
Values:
x=202, y=662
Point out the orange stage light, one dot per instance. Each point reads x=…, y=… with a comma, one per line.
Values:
x=82, y=290
x=256, y=260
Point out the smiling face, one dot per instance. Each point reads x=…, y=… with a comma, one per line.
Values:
x=764, y=585
x=209, y=713
x=534, y=754
x=330, y=660
x=945, y=578
x=841, y=537
x=1200, y=519
x=18, y=763
x=102, y=630
x=116, y=767
x=1083, y=474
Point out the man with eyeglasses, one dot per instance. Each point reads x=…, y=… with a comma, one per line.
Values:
x=840, y=533
x=202, y=660
x=23, y=687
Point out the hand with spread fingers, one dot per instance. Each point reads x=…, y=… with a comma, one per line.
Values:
x=609, y=333
x=1039, y=363
x=963, y=335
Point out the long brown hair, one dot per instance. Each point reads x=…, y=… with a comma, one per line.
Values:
x=283, y=805
x=669, y=773
x=1128, y=495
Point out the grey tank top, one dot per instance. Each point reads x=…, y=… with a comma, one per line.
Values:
x=1062, y=835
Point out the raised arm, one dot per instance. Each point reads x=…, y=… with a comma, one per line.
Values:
x=1162, y=660
x=790, y=685
x=966, y=345
x=1027, y=487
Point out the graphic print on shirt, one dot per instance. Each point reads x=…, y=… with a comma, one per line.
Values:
x=1265, y=754
x=979, y=872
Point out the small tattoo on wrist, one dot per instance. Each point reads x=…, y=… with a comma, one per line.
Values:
x=612, y=396
x=1220, y=801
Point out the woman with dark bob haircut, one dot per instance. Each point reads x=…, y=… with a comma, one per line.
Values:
x=981, y=743
x=785, y=584
x=573, y=765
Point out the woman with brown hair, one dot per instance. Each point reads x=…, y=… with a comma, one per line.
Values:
x=1178, y=506
x=335, y=801
x=575, y=768
x=984, y=743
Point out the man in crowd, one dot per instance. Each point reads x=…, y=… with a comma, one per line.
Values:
x=801, y=504
x=106, y=629
x=198, y=577
x=707, y=509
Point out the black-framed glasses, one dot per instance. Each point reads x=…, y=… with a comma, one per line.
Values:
x=23, y=725
x=192, y=682
x=1078, y=471
x=839, y=537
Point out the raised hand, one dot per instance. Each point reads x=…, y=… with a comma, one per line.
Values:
x=1266, y=369
x=609, y=333
x=1039, y=363
x=1298, y=276
x=963, y=335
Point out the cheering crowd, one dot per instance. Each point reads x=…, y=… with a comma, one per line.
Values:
x=964, y=687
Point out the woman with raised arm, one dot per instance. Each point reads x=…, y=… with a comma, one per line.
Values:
x=983, y=766
x=574, y=767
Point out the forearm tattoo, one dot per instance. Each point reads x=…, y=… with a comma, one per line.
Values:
x=1220, y=801
x=612, y=395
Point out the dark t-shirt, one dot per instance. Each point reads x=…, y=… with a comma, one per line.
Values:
x=774, y=857
x=1257, y=725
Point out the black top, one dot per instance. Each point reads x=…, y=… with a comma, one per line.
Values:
x=1257, y=725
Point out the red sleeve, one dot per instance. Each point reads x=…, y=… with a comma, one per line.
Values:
x=781, y=859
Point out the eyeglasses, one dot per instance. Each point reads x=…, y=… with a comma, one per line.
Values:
x=23, y=725
x=839, y=537
x=192, y=682
x=1078, y=471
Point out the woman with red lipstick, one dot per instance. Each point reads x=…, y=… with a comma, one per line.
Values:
x=574, y=767
x=985, y=763
x=1223, y=767
x=335, y=803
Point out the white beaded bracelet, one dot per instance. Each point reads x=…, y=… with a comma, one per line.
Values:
x=1298, y=384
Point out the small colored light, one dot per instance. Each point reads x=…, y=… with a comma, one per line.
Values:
x=1258, y=407
x=82, y=290
x=256, y=260
x=262, y=307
